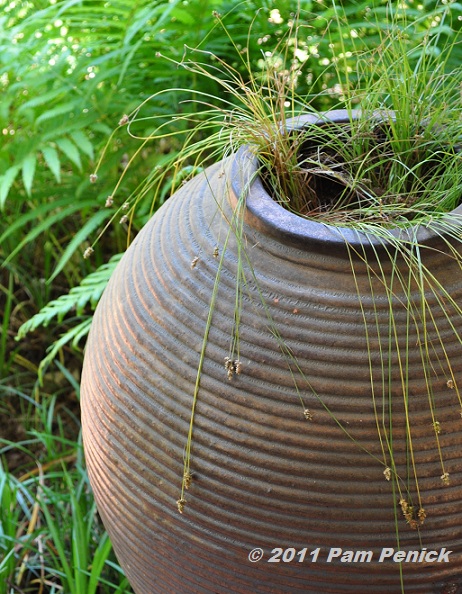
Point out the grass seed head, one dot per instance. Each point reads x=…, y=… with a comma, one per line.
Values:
x=421, y=514
x=445, y=478
x=187, y=480
x=180, y=504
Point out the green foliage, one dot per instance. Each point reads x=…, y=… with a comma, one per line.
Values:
x=50, y=535
x=70, y=70
x=9, y=521
x=89, y=291
x=51, y=538
x=411, y=60
x=79, y=572
x=45, y=217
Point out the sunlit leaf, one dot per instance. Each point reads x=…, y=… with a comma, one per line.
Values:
x=51, y=157
x=41, y=99
x=56, y=111
x=28, y=172
x=70, y=150
x=81, y=140
x=6, y=181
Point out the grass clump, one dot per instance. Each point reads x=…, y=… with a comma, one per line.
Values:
x=51, y=538
x=395, y=160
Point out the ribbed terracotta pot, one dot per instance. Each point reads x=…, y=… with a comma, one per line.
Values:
x=272, y=468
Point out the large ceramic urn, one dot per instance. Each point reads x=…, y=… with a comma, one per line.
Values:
x=283, y=359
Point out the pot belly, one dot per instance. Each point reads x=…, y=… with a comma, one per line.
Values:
x=289, y=455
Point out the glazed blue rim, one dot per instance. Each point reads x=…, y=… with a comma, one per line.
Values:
x=268, y=216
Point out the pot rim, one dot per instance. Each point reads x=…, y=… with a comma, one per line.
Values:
x=266, y=215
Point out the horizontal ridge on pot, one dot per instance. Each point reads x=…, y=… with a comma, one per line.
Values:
x=268, y=470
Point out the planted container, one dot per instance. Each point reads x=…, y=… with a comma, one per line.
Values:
x=290, y=387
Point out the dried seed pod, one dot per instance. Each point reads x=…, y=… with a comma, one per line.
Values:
x=187, y=480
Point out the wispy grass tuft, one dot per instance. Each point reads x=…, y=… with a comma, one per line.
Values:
x=51, y=538
x=393, y=165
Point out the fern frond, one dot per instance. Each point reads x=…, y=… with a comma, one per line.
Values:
x=74, y=334
x=89, y=291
